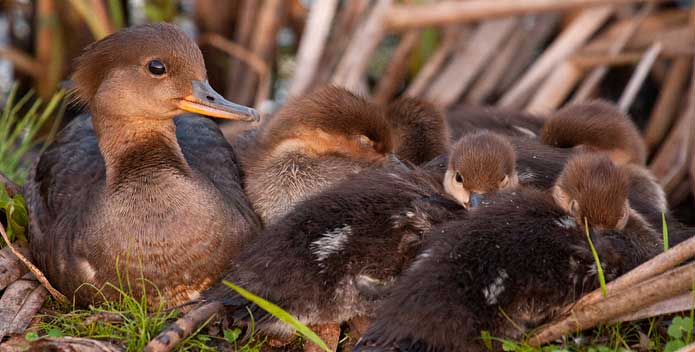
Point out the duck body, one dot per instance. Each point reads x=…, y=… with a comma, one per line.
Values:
x=326, y=261
x=192, y=209
x=518, y=253
x=132, y=195
x=464, y=119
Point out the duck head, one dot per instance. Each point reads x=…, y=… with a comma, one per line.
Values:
x=592, y=188
x=596, y=126
x=149, y=72
x=330, y=121
x=480, y=163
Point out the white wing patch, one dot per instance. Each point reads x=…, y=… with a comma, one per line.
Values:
x=331, y=242
x=566, y=222
x=492, y=291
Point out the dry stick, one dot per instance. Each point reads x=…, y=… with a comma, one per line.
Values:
x=12, y=301
x=69, y=343
x=653, y=290
x=402, y=17
x=246, y=23
x=586, y=89
x=589, y=61
x=34, y=270
x=638, y=77
x=490, y=78
x=543, y=28
x=22, y=61
x=270, y=19
x=242, y=54
x=655, y=266
x=32, y=304
x=465, y=67
x=388, y=84
x=183, y=327
x=691, y=102
x=574, y=36
x=555, y=89
x=354, y=62
x=318, y=27
x=680, y=303
x=670, y=164
x=452, y=37
x=666, y=105
x=11, y=267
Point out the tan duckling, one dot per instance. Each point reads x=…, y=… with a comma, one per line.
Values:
x=131, y=191
x=596, y=126
x=311, y=143
x=524, y=253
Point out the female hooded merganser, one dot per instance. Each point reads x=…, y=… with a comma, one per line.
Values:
x=311, y=143
x=524, y=254
x=329, y=259
x=133, y=191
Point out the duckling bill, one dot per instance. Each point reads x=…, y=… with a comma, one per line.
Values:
x=133, y=191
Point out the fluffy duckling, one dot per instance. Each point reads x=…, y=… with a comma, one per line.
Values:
x=421, y=130
x=128, y=190
x=525, y=254
x=329, y=260
x=311, y=143
x=466, y=119
x=596, y=125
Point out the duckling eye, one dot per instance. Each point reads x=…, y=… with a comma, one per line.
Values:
x=156, y=67
x=459, y=179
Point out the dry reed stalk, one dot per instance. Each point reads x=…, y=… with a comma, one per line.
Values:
x=666, y=285
x=586, y=89
x=183, y=327
x=242, y=54
x=270, y=18
x=98, y=23
x=451, y=38
x=555, y=90
x=667, y=104
x=246, y=23
x=12, y=267
x=680, y=303
x=76, y=344
x=311, y=48
x=467, y=64
x=47, y=47
x=22, y=61
x=356, y=57
x=638, y=77
x=542, y=29
x=573, y=37
x=390, y=80
x=32, y=268
x=590, y=61
x=485, y=85
x=671, y=162
x=346, y=24
x=403, y=17
x=691, y=102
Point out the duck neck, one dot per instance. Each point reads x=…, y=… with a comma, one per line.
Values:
x=138, y=150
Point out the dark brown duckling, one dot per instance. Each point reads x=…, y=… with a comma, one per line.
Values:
x=311, y=143
x=328, y=260
x=596, y=126
x=523, y=253
x=421, y=130
x=464, y=119
x=129, y=190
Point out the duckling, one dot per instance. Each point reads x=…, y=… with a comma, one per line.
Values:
x=596, y=125
x=125, y=192
x=514, y=263
x=328, y=260
x=464, y=119
x=311, y=143
x=421, y=130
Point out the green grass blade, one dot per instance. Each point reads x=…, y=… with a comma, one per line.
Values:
x=664, y=230
x=280, y=314
x=599, y=268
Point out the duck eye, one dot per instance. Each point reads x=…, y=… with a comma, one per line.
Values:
x=459, y=179
x=156, y=67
